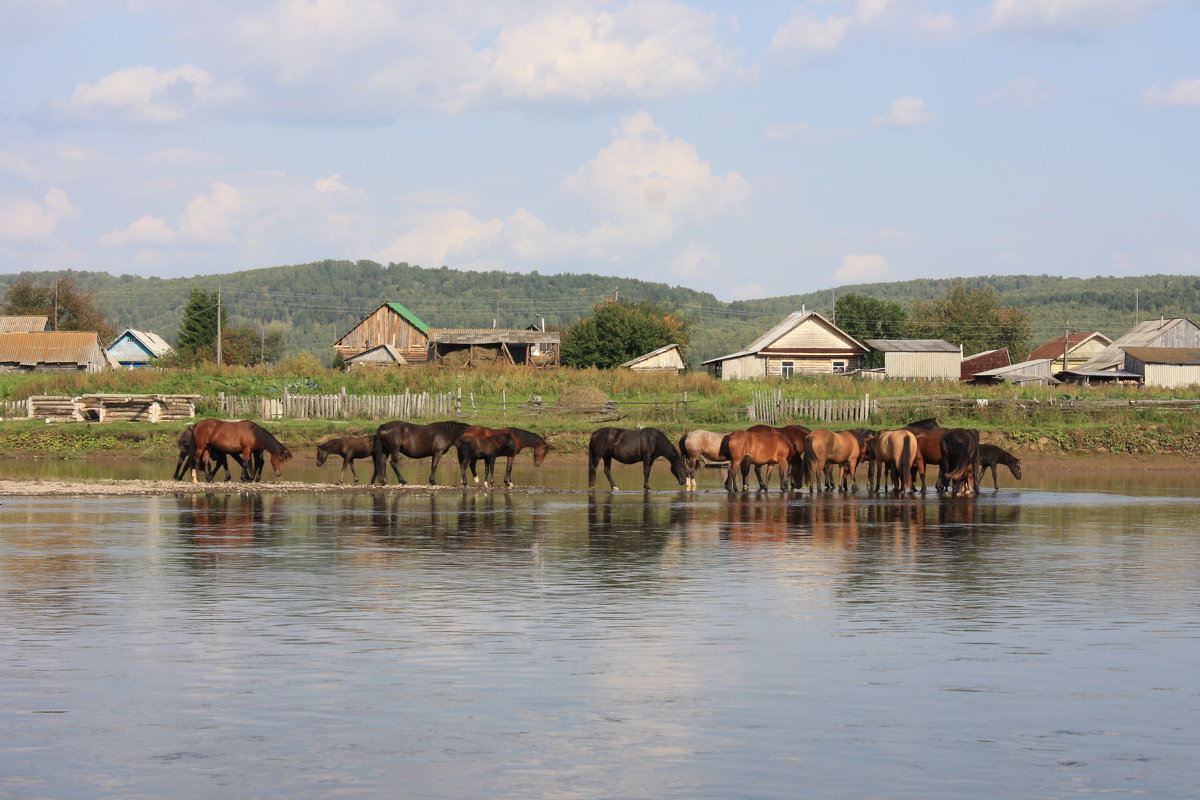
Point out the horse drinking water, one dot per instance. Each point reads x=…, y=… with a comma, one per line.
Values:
x=243, y=439
x=488, y=444
x=349, y=448
x=630, y=447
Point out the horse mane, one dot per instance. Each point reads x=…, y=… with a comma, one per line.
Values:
x=930, y=424
x=273, y=445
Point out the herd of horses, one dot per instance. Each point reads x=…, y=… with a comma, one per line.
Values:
x=822, y=460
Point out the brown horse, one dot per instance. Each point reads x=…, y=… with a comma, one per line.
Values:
x=796, y=434
x=629, y=446
x=243, y=439
x=844, y=448
x=750, y=447
x=900, y=455
x=929, y=439
x=397, y=438
x=489, y=444
x=349, y=448
x=960, y=460
x=698, y=447
x=990, y=456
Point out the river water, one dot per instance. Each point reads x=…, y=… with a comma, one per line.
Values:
x=1040, y=641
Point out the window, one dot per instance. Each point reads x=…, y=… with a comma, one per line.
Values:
x=839, y=366
x=787, y=368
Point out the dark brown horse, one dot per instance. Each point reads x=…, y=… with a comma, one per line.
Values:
x=397, y=438
x=243, y=439
x=489, y=444
x=960, y=460
x=759, y=447
x=840, y=448
x=629, y=447
x=349, y=448
x=990, y=456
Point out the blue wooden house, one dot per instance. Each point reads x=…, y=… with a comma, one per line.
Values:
x=135, y=348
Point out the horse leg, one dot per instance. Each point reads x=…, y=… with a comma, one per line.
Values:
x=508, y=472
x=342, y=473
x=395, y=461
x=647, y=463
x=348, y=462
x=608, y=473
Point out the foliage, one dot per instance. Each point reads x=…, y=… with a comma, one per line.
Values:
x=68, y=307
x=973, y=318
x=619, y=331
x=198, y=324
x=869, y=318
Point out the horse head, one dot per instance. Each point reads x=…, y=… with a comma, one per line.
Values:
x=539, y=453
x=1015, y=466
x=680, y=469
x=322, y=454
x=279, y=459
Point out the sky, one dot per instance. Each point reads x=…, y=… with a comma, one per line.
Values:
x=748, y=150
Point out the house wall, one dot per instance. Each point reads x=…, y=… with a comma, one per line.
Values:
x=811, y=365
x=1167, y=376
x=128, y=351
x=385, y=326
x=808, y=335
x=934, y=366
x=745, y=367
x=669, y=361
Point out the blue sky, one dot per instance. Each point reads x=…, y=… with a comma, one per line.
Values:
x=776, y=149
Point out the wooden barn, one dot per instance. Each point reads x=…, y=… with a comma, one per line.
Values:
x=470, y=347
x=391, y=324
x=927, y=359
x=135, y=348
x=51, y=351
x=1177, y=332
x=803, y=344
x=981, y=362
x=1079, y=348
x=1168, y=367
x=664, y=359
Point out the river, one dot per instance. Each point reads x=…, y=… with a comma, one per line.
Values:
x=1040, y=641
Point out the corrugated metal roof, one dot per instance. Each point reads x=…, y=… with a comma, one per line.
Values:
x=23, y=324
x=411, y=317
x=51, y=347
x=912, y=345
x=1019, y=367
x=1099, y=373
x=1142, y=335
x=377, y=354
x=1165, y=355
x=492, y=336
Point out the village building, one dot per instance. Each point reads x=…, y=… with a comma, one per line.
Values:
x=24, y=324
x=982, y=362
x=135, y=348
x=1036, y=371
x=391, y=324
x=1166, y=367
x=664, y=359
x=803, y=344
x=1078, y=347
x=1177, y=332
x=469, y=347
x=382, y=356
x=53, y=351
x=911, y=359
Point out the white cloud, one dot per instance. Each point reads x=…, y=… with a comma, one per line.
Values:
x=439, y=238
x=331, y=183
x=1056, y=17
x=1183, y=93
x=805, y=35
x=862, y=268
x=905, y=112
x=147, y=230
x=1023, y=92
x=29, y=219
x=143, y=94
x=214, y=217
x=696, y=261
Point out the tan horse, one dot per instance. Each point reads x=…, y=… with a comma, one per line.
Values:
x=698, y=447
x=746, y=448
x=844, y=448
x=901, y=456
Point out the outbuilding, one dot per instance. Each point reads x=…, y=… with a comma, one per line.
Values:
x=391, y=324
x=1036, y=371
x=664, y=359
x=53, y=351
x=927, y=359
x=1166, y=367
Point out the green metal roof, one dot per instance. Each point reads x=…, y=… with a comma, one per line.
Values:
x=410, y=316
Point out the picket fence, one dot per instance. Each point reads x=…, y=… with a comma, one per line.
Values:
x=410, y=405
x=772, y=408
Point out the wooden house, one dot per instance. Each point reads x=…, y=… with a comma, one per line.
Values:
x=1177, y=332
x=664, y=359
x=391, y=324
x=135, y=348
x=1168, y=367
x=24, y=324
x=382, y=356
x=53, y=351
x=928, y=359
x=471, y=347
x=803, y=344
x=982, y=362
x=1078, y=347
x=1038, y=371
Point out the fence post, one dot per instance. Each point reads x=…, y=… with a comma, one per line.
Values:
x=685, y=401
x=458, y=402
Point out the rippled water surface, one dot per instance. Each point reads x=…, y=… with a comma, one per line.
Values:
x=1035, y=642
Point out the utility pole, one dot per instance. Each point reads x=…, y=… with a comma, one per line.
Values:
x=56, y=304
x=1066, y=342
x=219, y=361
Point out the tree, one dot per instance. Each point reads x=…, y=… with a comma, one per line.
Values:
x=198, y=326
x=869, y=318
x=618, y=331
x=972, y=318
x=68, y=307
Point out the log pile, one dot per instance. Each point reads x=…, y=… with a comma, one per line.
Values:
x=113, y=408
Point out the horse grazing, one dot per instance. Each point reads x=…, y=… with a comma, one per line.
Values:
x=243, y=439
x=187, y=452
x=899, y=454
x=990, y=456
x=397, y=438
x=630, y=447
x=844, y=448
x=759, y=447
x=960, y=460
x=489, y=444
x=929, y=438
x=349, y=448
x=698, y=447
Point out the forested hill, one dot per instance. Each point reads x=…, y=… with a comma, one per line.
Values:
x=316, y=303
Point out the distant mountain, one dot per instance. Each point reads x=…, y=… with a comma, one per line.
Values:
x=314, y=304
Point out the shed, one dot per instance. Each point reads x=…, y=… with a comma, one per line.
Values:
x=530, y=346
x=1168, y=367
x=53, y=351
x=981, y=362
x=664, y=359
x=930, y=359
x=24, y=324
x=390, y=324
x=135, y=348
x=382, y=356
x=1176, y=332
x=1036, y=371
x=803, y=343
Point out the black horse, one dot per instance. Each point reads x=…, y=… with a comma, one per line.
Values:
x=397, y=438
x=990, y=456
x=960, y=461
x=629, y=447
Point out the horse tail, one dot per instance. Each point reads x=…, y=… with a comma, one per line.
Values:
x=906, y=460
x=723, y=450
x=683, y=446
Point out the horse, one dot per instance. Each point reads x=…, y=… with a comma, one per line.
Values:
x=489, y=444
x=898, y=452
x=397, y=438
x=760, y=447
x=990, y=455
x=929, y=439
x=349, y=448
x=187, y=451
x=835, y=447
x=960, y=460
x=796, y=434
x=244, y=440
x=629, y=447
x=697, y=447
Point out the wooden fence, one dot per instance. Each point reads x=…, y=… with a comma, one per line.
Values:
x=342, y=406
x=772, y=408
